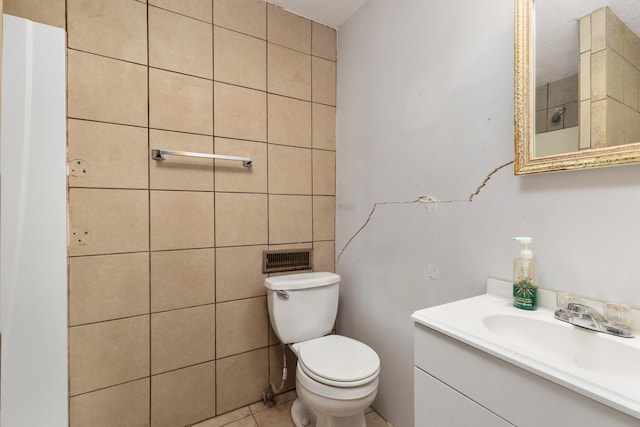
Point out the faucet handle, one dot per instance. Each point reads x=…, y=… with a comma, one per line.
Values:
x=618, y=314
x=578, y=308
x=585, y=310
x=563, y=299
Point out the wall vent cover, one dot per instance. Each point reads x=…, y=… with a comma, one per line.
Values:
x=286, y=260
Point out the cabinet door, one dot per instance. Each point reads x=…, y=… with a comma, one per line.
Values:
x=438, y=405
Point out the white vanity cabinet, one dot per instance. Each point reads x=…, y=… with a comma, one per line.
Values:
x=457, y=384
x=440, y=405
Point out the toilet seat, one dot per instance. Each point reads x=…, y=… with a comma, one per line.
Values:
x=338, y=361
x=305, y=382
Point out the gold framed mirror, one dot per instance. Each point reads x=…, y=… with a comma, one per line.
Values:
x=607, y=130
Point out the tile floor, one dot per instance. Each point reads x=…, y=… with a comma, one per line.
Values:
x=259, y=415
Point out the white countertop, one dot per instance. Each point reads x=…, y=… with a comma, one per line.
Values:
x=464, y=320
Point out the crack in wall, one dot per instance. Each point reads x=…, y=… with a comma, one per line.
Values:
x=481, y=186
x=431, y=202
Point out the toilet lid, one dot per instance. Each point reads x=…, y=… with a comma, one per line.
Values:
x=338, y=359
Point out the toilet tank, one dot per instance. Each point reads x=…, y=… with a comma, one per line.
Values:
x=302, y=306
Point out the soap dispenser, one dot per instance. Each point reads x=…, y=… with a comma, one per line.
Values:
x=525, y=291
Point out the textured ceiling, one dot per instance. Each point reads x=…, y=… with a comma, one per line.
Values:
x=557, y=32
x=329, y=12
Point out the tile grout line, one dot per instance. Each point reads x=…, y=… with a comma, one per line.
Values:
x=149, y=209
x=313, y=231
x=215, y=205
x=66, y=54
x=266, y=71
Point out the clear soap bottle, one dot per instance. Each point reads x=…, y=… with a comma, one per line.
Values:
x=525, y=291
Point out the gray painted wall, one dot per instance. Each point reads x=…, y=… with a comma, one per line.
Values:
x=425, y=107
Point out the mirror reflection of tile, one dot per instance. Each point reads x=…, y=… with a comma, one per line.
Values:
x=609, y=81
x=603, y=98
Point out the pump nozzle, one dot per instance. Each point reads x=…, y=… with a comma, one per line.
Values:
x=526, y=241
x=525, y=252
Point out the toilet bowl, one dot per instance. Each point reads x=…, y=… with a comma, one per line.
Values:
x=337, y=379
x=336, y=376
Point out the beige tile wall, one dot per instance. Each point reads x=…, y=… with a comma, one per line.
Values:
x=168, y=321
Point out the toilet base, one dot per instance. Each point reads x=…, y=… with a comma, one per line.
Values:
x=302, y=416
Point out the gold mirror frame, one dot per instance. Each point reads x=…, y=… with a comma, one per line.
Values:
x=524, y=81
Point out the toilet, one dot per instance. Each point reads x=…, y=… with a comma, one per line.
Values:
x=336, y=376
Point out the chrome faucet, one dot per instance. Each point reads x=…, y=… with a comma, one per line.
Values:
x=589, y=318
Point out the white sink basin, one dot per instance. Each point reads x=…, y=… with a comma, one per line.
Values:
x=567, y=344
x=603, y=367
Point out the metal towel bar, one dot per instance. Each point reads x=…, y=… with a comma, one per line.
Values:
x=157, y=154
